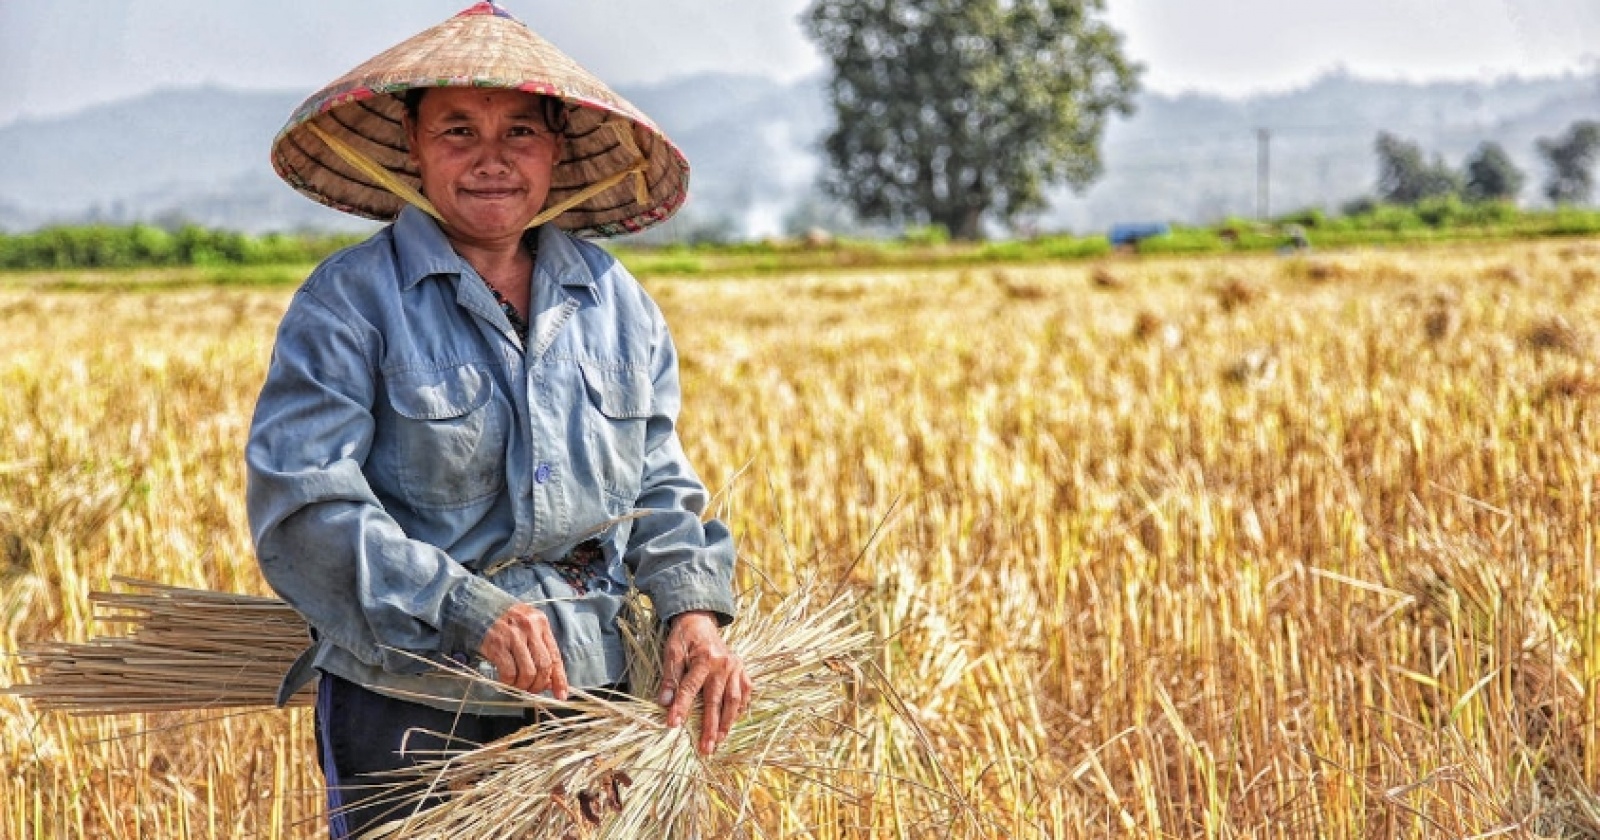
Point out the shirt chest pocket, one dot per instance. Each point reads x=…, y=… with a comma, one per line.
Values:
x=620, y=402
x=443, y=436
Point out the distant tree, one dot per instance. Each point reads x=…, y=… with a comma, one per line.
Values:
x=1571, y=159
x=1491, y=175
x=1405, y=176
x=1359, y=206
x=950, y=110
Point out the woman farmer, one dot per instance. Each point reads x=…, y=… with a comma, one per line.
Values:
x=465, y=448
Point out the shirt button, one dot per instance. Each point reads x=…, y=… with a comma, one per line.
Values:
x=542, y=474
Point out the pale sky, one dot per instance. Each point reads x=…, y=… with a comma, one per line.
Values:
x=60, y=55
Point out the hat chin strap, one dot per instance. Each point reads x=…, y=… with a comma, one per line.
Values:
x=405, y=192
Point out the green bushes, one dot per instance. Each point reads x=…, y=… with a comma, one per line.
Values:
x=1074, y=248
x=1571, y=221
x=1438, y=219
x=1184, y=241
x=144, y=246
x=1439, y=213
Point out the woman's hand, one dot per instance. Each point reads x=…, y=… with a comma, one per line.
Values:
x=697, y=662
x=523, y=651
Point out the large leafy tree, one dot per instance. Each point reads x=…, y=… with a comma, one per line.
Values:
x=1571, y=158
x=950, y=110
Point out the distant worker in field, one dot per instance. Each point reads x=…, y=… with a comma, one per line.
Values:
x=1298, y=242
x=463, y=412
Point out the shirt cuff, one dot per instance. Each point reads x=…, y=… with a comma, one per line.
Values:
x=469, y=611
x=690, y=591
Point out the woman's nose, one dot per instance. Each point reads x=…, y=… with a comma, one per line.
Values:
x=492, y=159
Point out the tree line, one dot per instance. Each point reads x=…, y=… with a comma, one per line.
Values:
x=1406, y=176
x=141, y=246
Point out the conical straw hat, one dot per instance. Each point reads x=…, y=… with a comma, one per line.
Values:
x=345, y=146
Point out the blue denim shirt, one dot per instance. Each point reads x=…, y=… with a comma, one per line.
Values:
x=413, y=471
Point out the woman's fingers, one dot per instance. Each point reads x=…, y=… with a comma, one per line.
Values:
x=558, y=668
x=523, y=650
x=527, y=673
x=733, y=704
x=687, y=692
x=698, y=666
x=712, y=730
x=671, y=673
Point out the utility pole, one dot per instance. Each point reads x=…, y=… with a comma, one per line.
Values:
x=1263, y=174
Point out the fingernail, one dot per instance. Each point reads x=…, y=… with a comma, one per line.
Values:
x=665, y=698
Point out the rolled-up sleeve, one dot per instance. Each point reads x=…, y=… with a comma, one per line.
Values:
x=682, y=561
x=322, y=536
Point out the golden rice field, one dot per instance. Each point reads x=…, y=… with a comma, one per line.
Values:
x=1252, y=547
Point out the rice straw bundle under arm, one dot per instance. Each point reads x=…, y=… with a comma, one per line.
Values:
x=187, y=649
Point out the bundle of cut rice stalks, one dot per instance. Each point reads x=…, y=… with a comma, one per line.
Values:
x=184, y=649
x=610, y=768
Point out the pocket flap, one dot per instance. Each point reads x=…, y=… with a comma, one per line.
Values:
x=620, y=393
x=438, y=394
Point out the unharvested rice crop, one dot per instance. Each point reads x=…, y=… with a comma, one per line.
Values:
x=1148, y=559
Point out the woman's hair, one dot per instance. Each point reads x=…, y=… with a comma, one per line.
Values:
x=555, y=110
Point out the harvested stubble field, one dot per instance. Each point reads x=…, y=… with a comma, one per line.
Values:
x=1228, y=547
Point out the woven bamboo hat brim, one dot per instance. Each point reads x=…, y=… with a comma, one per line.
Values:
x=346, y=147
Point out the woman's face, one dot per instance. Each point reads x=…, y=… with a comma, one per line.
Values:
x=486, y=157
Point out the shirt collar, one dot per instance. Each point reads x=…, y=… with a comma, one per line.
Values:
x=560, y=259
x=423, y=251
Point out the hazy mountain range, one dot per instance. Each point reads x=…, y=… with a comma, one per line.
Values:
x=200, y=154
